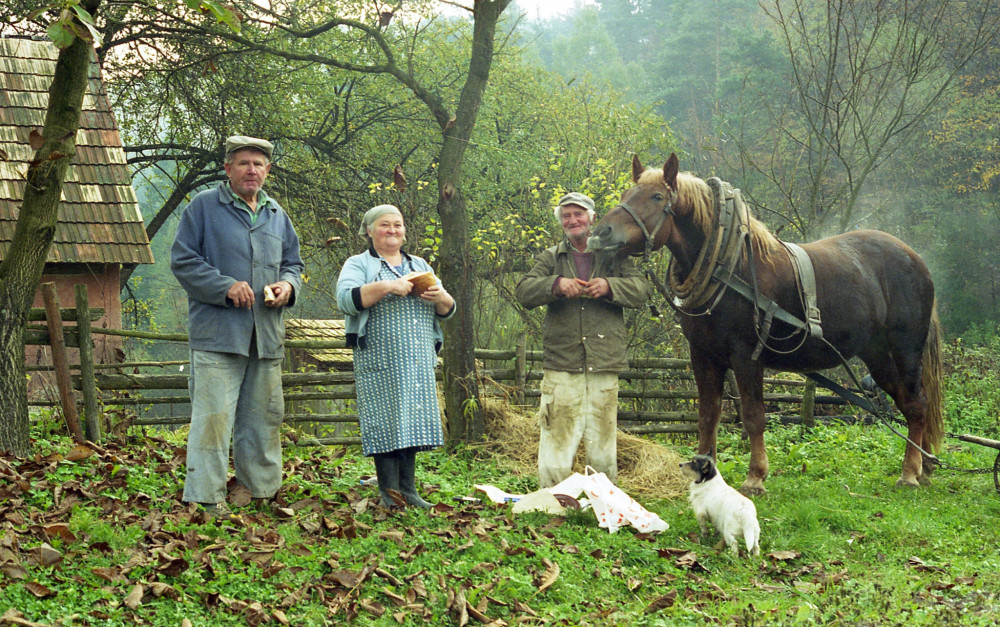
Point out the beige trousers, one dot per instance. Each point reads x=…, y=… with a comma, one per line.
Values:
x=575, y=407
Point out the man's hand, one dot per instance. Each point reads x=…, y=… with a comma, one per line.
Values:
x=282, y=294
x=241, y=295
x=569, y=288
x=596, y=287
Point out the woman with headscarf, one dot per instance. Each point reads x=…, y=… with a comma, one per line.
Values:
x=396, y=337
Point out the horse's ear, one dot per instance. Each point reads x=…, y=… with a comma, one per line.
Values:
x=637, y=168
x=670, y=171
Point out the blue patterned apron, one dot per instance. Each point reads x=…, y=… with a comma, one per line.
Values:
x=394, y=374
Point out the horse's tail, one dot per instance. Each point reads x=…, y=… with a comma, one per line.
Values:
x=932, y=372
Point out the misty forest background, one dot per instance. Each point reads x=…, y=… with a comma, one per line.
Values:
x=830, y=116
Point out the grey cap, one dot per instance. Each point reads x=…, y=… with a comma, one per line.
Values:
x=576, y=198
x=237, y=142
x=374, y=214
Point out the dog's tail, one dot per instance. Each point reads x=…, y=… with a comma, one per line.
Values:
x=751, y=535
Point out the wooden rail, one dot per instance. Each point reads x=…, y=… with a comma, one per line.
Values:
x=647, y=381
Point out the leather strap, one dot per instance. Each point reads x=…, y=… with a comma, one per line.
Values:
x=804, y=275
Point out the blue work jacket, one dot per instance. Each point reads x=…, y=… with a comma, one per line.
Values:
x=217, y=246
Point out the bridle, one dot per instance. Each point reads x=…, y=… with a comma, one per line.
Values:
x=668, y=210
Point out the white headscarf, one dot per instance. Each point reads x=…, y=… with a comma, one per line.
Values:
x=374, y=214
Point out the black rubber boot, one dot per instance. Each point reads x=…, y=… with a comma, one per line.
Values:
x=407, y=478
x=387, y=471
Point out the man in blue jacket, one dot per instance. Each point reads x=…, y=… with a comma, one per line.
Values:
x=236, y=255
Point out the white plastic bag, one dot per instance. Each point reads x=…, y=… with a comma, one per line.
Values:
x=614, y=508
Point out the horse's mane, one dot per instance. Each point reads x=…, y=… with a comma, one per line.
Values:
x=695, y=193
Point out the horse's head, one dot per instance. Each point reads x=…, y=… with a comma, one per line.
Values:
x=644, y=218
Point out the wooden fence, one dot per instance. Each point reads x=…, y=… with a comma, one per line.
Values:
x=657, y=395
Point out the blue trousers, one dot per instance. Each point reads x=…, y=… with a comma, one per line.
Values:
x=240, y=399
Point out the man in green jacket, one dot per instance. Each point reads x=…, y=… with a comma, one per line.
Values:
x=584, y=343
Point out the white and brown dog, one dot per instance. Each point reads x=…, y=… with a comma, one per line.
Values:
x=731, y=513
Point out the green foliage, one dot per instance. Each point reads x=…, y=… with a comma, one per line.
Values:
x=972, y=383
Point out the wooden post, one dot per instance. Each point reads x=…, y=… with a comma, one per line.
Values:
x=520, y=368
x=91, y=417
x=59, y=361
x=807, y=414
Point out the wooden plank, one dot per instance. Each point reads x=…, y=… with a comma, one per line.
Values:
x=37, y=314
x=91, y=417
x=61, y=363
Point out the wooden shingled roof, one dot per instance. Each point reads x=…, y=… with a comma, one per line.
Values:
x=99, y=217
x=333, y=330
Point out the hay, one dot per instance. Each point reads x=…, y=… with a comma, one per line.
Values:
x=645, y=468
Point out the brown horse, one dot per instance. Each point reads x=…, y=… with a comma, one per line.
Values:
x=874, y=294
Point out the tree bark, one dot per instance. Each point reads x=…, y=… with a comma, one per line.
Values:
x=21, y=269
x=462, y=406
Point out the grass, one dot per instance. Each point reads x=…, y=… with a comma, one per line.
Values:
x=839, y=545
x=105, y=540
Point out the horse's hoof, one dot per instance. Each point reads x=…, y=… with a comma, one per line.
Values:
x=753, y=489
x=907, y=483
x=925, y=480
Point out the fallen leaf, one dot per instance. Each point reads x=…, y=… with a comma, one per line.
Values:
x=690, y=561
x=783, y=556
x=458, y=607
x=173, y=567
x=39, y=590
x=14, y=570
x=922, y=566
x=261, y=558
x=372, y=607
x=60, y=531
x=161, y=589
x=662, y=602
x=13, y=617
x=111, y=575
x=239, y=496
x=549, y=576
x=134, y=598
x=45, y=555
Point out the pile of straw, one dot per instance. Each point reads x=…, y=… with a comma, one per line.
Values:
x=645, y=468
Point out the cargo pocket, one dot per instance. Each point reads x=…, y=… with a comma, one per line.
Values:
x=547, y=389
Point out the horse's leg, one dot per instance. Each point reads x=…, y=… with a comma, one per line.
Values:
x=750, y=381
x=899, y=376
x=709, y=377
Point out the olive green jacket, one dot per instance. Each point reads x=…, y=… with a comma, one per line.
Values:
x=583, y=334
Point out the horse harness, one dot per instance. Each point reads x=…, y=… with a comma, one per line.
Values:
x=668, y=210
x=715, y=269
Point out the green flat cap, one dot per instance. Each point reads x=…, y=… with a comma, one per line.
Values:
x=576, y=198
x=237, y=142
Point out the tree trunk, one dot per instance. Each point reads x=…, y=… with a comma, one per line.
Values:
x=21, y=269
x=462, y=408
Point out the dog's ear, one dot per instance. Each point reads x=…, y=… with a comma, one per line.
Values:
x=706, y=467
